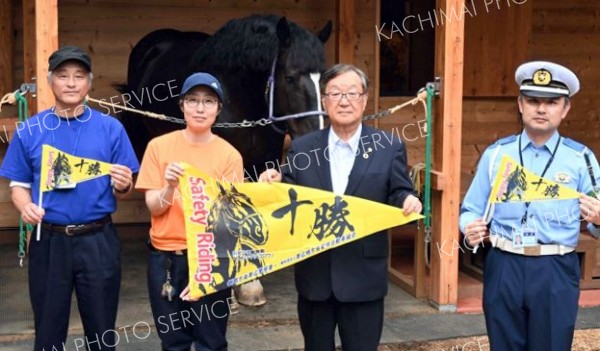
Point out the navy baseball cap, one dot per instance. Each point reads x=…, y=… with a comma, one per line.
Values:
x=67, y=53
x=202, y=79
x=546, y=80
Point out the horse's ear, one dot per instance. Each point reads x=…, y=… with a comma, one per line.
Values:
x=283, y=32
x=325, y=32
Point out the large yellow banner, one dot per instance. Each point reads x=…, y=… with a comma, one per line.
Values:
x=60, y=169
x=239, y=232
x=514, y=183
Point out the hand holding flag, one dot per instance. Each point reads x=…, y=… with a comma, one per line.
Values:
x=62, y=170
x=515, y=183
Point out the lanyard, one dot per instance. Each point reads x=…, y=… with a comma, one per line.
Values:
x=524, y=219
x=590, y=170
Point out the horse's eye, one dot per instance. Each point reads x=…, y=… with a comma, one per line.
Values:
x=289, y=79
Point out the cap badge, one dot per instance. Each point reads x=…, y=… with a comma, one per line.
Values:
x=542, y=77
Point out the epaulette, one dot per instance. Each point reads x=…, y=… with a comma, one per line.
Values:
x=573, y=144
x=506, y=140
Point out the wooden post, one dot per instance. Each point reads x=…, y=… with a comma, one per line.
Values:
x=6, y=43
x=446, y=157
x=344, y=48
x=376, y=77
x=29, y=49
x=40, y=39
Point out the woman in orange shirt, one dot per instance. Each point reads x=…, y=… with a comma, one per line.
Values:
x=179, y=321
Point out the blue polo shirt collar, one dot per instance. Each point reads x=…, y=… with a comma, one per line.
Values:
x=549, y=145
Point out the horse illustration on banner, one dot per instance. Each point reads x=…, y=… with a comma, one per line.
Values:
x=239, y=231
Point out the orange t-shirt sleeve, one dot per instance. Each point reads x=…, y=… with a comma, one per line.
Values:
x=218, y=159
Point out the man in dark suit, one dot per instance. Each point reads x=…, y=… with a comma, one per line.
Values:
x=345, y=286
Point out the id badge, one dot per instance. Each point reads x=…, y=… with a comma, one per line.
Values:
x=529, y=237
x=517, y=238
x=524, y=237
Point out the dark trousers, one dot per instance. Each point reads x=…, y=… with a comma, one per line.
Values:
x=179, y=323
x=91, y=264
x=530, y=303
x=359, y=324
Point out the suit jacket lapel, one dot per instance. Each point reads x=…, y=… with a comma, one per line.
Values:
x=361, y=164
x=323, y=166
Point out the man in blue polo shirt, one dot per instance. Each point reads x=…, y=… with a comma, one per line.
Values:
x=531, y=275
x=79, y=248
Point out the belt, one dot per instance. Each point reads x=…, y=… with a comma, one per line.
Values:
x=174, y=252
x=76, y=229
x=536, y=250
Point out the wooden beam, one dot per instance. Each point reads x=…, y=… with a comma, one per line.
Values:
x=46, y=28
x=6, y=43
x=344, y=48
x=40, y=39
x=447, y=153
x=376, y=78
x=29, y=49
x=420, y=287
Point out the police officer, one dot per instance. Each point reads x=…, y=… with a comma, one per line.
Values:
x=531, y=288
x=79, y=248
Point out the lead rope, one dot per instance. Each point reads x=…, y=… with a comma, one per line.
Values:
x=18, y=97
x=421, y=97
x=24, y=229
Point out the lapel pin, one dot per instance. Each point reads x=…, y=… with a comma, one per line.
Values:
x=366, y=153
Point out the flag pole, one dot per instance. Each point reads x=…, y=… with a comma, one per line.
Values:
x=487, y=218
x=38, y=232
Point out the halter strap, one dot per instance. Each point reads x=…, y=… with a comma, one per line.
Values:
x=271, y=87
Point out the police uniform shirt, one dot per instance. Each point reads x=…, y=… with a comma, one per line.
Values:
x=555, y=221
x=90, y=135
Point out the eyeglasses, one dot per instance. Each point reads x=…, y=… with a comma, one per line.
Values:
x=337, y=96
x=207, y=103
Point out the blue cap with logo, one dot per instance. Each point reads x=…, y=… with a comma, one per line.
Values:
x=202, y=79
x=546, y=80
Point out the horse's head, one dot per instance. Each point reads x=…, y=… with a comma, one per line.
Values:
x=241, y=55
x=300, y=61
x=236, y=211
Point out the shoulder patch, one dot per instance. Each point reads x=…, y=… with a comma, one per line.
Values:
x=573, y=144
x=506, y=140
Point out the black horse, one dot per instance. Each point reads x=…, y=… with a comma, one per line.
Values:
x=242, y=55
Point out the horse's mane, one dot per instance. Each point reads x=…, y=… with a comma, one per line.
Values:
x=251, y=43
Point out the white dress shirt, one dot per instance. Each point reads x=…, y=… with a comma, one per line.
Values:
x=341, y=159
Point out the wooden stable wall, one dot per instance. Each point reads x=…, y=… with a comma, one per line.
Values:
x=568, y=33
x=108, y=29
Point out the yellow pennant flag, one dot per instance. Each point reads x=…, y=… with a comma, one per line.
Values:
x=239, y=232
x=514, y=183
x=60, y=169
